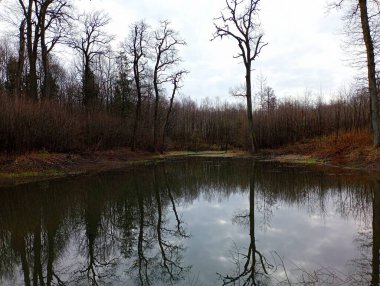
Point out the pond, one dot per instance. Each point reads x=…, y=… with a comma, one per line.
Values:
x=193, y=222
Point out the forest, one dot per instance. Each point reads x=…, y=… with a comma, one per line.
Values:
x=131, y=96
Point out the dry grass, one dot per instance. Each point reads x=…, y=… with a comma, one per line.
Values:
x=351, y=149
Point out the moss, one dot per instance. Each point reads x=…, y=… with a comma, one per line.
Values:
x=308, y=161
x=31, y=174
x=297, y=159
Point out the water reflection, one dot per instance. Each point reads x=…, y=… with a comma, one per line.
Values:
x=376, y=234
x=252, y=266
x=140, y=226
x=350, y=196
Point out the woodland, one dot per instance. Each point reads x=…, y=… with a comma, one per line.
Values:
x=130, y=96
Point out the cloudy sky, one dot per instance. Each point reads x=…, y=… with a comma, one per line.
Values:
x=304, y=51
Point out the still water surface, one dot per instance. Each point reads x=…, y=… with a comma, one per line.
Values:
x=193, y=222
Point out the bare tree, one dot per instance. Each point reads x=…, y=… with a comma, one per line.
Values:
x=166, y=56
x=371, y=71
x=176, y=80
x=21, y=59
x=240, y=23
x=54, y=21
x=268, y=99
x=43, y=24
x=359, y=9
x=91, y=42
x=8, y=66
x=137, y=49
x=32, y=24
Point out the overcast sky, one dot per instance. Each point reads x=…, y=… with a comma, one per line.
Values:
x=304, y=49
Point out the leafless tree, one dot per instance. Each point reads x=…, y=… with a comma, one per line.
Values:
x=91, y=41
x=7, y=66
x=166, y=56
x=360, y=10
x=241, y=23
x=42, y=25
x=371, y=71
x=33, y=34
x=55, y=18
x=176, y=81
x=137, y=49
x=21, y=59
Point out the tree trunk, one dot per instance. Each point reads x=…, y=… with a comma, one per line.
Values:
x=86, y=83
x=252, y=137
x=32, y=78
x=138, y=105
x=166, y=124
x=135, y=124
x=46, y=90
x=371, y=71
x=21, y=60
x=156, y=103
x=32, y=44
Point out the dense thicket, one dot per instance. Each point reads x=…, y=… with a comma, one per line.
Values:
x=60, y=126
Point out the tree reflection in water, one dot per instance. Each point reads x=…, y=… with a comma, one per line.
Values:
x=127, y=228
x=313, y=192
x=109, y=228
x=375, y=234
x=252, y=267
x=366, y=267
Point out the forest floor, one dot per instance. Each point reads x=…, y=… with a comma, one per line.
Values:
x=348, y=150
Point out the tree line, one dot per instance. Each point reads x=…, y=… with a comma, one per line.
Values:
x=128, y=96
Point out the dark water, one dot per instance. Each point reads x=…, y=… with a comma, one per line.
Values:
x=193, y=222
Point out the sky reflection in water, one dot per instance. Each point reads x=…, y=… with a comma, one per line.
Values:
x=183, y=223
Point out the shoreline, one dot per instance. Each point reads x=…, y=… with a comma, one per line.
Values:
x=42, y=166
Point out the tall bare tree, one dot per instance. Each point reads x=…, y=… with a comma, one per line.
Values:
x=240, y=22
x=137, y=48
x=363, y=16
x=54, y=22
x=371, y=71
x=20, y=60
x=42, y=26
x=91, y=41
x=166, y=56
x=176, y=79
x=33, y=35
